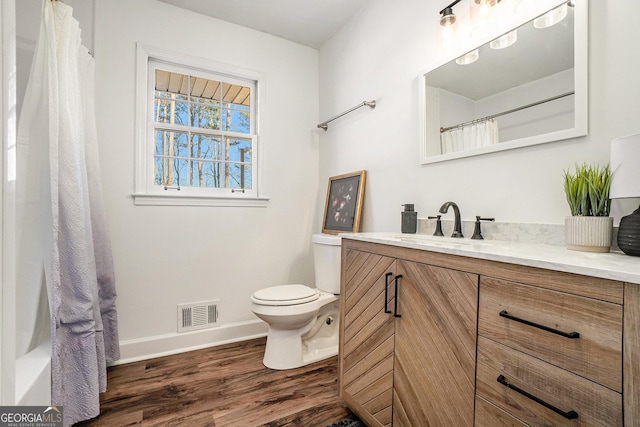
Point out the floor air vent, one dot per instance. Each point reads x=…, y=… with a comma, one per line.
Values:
x=199, y=315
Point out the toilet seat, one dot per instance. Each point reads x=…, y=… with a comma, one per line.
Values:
x=285, y=295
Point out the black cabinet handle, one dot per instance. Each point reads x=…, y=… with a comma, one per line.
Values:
x=386, y=292
x=571, y=415
x=571, y=335
x=395, y=303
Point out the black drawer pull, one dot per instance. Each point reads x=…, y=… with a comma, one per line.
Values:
x=571, y=415
x=386, y=292
x=395, y=303
x=571, y=335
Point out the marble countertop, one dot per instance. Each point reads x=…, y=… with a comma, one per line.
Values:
x=612, y=265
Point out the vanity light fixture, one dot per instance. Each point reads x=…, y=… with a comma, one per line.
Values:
x=552, y=17
x=485, y=5
x=489, y=3
x=625, y=183
x=504, y=41
x=468, y=58
x=448, y=17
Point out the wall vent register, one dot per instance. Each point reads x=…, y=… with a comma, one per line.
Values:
x=196, y=316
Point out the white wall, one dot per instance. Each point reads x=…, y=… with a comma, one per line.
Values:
x=379, y=56
x=165, y=256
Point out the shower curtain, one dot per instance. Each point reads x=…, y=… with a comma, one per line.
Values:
x=63, y=243
x=473, y=135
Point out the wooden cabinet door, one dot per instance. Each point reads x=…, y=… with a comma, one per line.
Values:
x=367, y=336
x=435, y=346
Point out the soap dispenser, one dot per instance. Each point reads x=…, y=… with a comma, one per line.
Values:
x=409, y=219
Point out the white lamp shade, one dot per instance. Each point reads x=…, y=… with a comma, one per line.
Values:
x=504, y=41
x=625, y=165
x=551, y=18
x=468, y=58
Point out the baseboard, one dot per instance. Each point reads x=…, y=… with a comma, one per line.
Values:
x=164, y=345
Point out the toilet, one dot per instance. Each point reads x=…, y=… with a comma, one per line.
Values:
x=303, y=321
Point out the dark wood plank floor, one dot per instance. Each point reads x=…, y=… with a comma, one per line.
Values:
x=220, y=386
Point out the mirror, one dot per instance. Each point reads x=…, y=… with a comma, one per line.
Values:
x=531, y=92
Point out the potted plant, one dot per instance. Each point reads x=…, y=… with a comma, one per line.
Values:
x=589, y=227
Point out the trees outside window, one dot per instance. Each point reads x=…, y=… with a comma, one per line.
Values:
x=203, y=131
x=197, y=134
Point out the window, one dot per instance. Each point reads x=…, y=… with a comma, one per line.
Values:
x=199, y=142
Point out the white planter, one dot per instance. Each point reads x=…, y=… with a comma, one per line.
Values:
x=588, y=233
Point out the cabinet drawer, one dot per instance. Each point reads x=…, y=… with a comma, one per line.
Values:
x=489, y=415
x=594, y=404
x=596, y=353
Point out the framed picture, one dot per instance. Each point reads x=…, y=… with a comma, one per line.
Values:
x=343, y=209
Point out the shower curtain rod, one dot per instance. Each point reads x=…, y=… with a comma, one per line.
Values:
x=493, y=116
x=325, y=125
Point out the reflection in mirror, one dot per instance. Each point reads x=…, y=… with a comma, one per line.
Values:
x=526, y=87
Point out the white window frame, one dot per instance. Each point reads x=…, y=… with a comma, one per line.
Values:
x=145, y=191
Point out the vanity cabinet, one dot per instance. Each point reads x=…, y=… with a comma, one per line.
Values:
x=408, y=342
x=550, y=345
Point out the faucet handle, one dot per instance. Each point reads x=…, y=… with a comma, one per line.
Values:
x=438, y=231
x=477, y=232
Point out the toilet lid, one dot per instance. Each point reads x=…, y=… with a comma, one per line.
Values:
x=285, y=295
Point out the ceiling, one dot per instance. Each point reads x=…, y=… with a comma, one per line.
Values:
x=308, y=22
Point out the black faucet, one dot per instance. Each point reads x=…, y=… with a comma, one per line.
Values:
x=457, y=226
x=477, y=232
x=438, y=231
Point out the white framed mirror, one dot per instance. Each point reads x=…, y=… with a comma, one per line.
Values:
x=531, y=92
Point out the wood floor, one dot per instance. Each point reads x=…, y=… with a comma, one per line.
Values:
x=220, y=386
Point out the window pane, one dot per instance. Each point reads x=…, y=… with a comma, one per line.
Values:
x=236, y=94
x=171, y=111
x=206, y=147
x=239, y=176
x=178, y=173
x=207, y=174
x=171, y=96
x=220, y=175
x=236, y=119
x=207, y=89
x=205, y=115
x=171, y=172
x=207, y=101
x=160, y=167
x=239, y=150
x=169, y=84
x=169, y=143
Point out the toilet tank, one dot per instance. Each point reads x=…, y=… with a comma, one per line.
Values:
x=326, y=257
